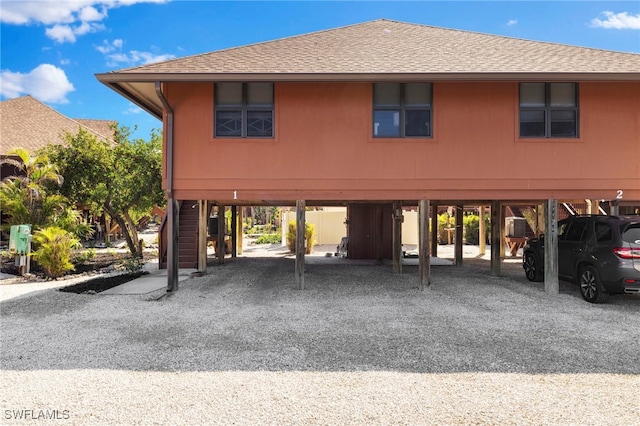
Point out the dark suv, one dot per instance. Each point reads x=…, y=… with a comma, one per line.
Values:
x=600, y=253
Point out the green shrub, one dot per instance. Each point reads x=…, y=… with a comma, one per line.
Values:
x=309, y=235
x=269, y=239
x=84, y=256
x=445, y=221
x=55, y=246
x=471, y=225
x=132, y=264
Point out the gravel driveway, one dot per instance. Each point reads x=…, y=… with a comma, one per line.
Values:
x=361, y=345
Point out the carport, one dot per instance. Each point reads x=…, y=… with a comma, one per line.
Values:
x=379, y=215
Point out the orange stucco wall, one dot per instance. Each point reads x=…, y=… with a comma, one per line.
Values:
x=323, y=148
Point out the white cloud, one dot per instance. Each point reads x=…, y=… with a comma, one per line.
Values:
x=512, y=22
x=136, y=57
x=61, y=33
x=107, y=47
x=44, y=12
x=116, y=57
x=65, y=19
x=618, y=21
x=147, y=57
x=90, y=13
x=46, y=82
x=133, y=109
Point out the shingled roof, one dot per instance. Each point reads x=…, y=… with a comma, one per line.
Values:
x=383, y=50
x=28, y=123
x=384, y=46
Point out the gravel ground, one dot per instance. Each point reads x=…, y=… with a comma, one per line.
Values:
x=361, y=345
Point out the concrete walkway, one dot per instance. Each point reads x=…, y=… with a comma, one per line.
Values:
x=153, y=281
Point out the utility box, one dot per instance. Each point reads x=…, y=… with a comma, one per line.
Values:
x=20, y=239
x=515, y=227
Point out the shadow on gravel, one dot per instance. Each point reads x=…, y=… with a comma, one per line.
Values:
x=247, y=315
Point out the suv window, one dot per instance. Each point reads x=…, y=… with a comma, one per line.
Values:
x=562, y=230
x=603, y=232
x=576, y=231
x=632, y=234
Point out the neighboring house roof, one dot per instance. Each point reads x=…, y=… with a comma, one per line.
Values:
x=381, y=50
x=104, y=128
x=28, y=123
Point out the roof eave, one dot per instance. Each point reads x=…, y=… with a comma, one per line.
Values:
x=450, y=76
x=132, y=91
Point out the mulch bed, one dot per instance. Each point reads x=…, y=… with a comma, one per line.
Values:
x=102, y=262
x=96, y=285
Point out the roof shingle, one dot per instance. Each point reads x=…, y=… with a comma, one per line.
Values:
x=384, y=46
x=28, y=123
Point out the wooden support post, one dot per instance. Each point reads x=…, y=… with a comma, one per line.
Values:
x=482, y=232
x=300, y=246
x=614, y=208
x=172, y=245
x=459, y=232
x=551, y=281
x=593, y=206
x=589, y=206
x=423, y=244
x=222, y=230
x=240, y=232
x=397, y=236
x=496, y=232
x=379, y=240
x=202, y=235
x=503, y=233
x=234, y=231
x=434, y=230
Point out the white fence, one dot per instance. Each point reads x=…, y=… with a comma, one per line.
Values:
x=330, y=225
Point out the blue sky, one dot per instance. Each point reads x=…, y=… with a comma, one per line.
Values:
x=52, y=49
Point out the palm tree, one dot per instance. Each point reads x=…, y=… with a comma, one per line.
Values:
x=28, y=196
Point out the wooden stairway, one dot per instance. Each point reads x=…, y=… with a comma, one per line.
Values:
x=187, y=236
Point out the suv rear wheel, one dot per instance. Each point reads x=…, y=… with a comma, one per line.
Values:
x=531, y=268
x=590, y=285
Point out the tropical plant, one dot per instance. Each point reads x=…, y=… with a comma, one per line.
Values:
x=445, y=222
x=34, y=170
x=84, y=256
x=132, y=264
x=471, y=225
x=31, y=195
x=309, y=235
x=273, y=238
x=55, y=247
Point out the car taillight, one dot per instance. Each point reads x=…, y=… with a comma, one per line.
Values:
x=627, y=252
